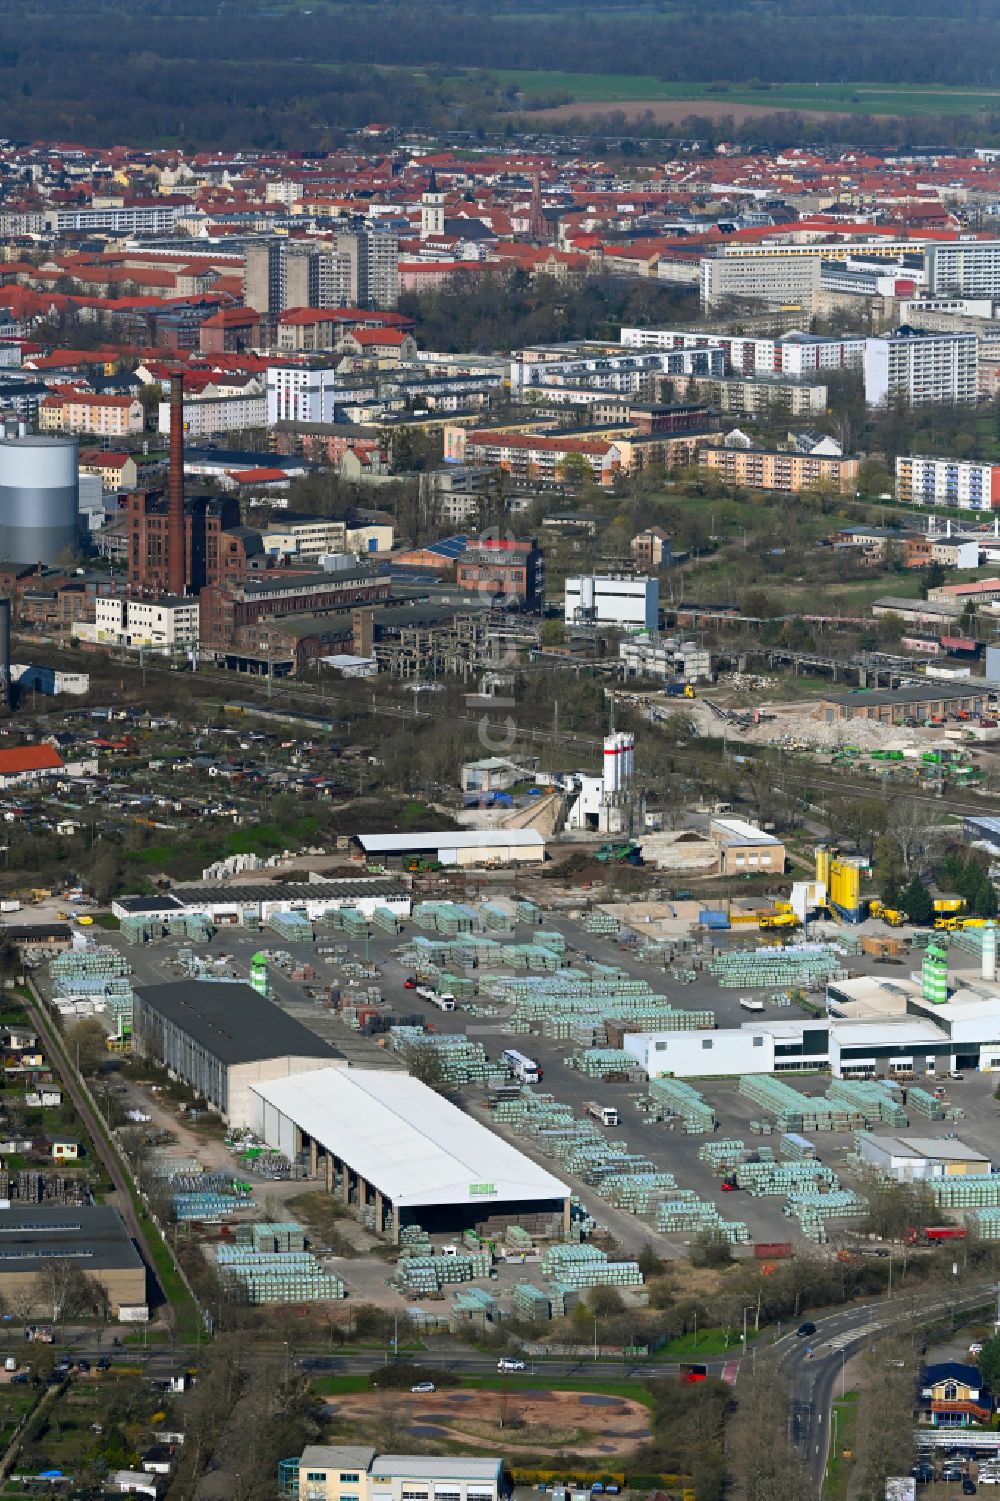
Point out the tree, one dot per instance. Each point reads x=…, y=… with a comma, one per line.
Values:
x=757, y=604
x=887, y=868
x=87, y=1044
x=917, y=903
x=933, y=577
x=605, y=1302
x=424, y=1063
x=552, y=632
x=989, y=1363
x=575, y=472
x=710, y=1248
x=986, y=899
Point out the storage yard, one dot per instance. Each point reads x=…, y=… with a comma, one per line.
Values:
x=769, y=1164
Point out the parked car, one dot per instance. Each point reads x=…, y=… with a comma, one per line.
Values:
x=424, y=1386
x=968, y=1486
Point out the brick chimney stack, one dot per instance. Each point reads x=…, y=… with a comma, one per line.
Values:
x=176, y=562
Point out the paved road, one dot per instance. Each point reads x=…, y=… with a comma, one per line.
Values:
x=816, y=1365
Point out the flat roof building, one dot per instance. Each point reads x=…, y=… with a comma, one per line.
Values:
x=220, y=1037
x=92, y=1238
x=892, y=706
x=389, y=1142
x=469, y=847
x=351, y=1472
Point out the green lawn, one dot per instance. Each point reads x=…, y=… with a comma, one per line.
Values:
x=839, y=1470
x=836, y=98
x=705, y=1343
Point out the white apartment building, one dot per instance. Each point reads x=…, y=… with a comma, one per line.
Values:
x=618, y=599
x=298, y=393
x=792, y=356
x=921, y=367
x=165, y=624
x=963, y=268
x=963, y=483
x=351, y=1472
x=625, y=373
x=208, y=416
x=764, y=278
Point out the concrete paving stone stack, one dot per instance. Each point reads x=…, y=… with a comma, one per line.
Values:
x=869, y=1097
x=922, y=1103
x=683, y=1100
x=966, y=1190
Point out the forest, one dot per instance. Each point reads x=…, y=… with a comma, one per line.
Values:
x=194, y=73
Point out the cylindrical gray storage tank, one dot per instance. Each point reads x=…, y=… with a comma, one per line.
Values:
x=39, y=498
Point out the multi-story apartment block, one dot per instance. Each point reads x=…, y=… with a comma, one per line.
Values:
x=963, y=483
x=533, y=456
x=280, y=275
x=299, y=393
x=921, y=367
x=761, y=469
x=792, y=356
x=107, y=416
x=207, y=416
x=765, y=278
x=629, y=373
x=963, y=268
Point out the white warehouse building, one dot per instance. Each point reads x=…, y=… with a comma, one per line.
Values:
x=384, y=1140
x=616, y=599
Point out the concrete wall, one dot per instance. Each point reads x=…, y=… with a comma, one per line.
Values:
x=244, y=1106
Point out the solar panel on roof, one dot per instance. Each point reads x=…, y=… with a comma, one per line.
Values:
x=449, y=547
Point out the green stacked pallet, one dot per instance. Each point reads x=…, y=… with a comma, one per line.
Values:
x=985, y=1223
x=291, y=926
x=679, y=1216
x=767, y=1179
x=638, y=1193
x=386, y=919
x=966, y=1190
x=606, y=1063
x=722, y=1156
x=803, y=966
x=795, y=1111
x=526, y=911
x=496, y=918
x=872, y=1099
x=795, y=1147
x=601, y=923
x=922, y=1103
x=531, y=1304
x=681, y=1099
x=462, y=1061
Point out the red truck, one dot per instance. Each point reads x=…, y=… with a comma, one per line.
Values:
x=933, y=1235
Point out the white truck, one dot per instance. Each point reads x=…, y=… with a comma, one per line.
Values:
x=747, y=1003
x=443, y=1000
x=604, y=1115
